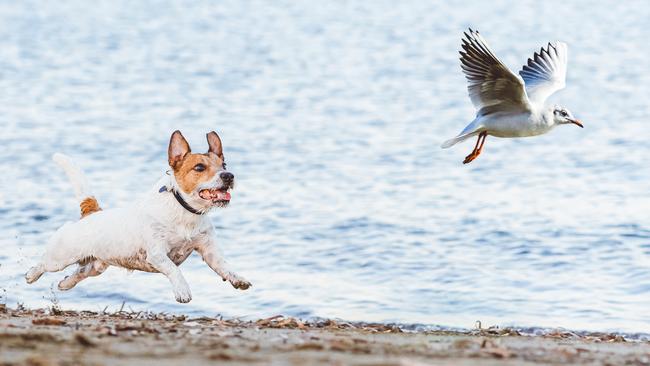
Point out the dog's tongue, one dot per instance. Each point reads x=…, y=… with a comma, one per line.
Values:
x=221, y=196
x=215, y=195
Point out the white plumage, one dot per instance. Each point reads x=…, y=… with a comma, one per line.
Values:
x=509, y=105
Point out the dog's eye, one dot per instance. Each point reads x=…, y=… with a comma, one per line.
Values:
x=199, y=167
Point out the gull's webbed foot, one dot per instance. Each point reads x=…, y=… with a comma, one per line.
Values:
x=477, y=149
x=469, y=158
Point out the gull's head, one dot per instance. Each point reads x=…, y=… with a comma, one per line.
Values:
x=562, y=116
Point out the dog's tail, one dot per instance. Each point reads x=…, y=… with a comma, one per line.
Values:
x=87, y=203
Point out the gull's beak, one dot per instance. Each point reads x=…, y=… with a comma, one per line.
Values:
x=577, y=123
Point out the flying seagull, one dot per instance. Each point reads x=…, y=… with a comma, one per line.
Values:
x=509, y=105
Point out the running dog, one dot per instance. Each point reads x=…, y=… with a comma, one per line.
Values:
x=155, y=233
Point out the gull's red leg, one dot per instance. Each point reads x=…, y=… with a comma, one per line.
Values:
x=480, y=148
x=477, y=149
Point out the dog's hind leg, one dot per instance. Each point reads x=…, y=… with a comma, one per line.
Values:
x=92, y=269
x=35, y=273
x=47, y=265
x=57, y=257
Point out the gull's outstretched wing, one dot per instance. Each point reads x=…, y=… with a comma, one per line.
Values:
x=545, y=73
x=492, y=86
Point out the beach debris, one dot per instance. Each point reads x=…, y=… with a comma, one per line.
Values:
x=464, y=343
x=220, y=356
x=493, y=330
x=135, y=328
x=109, y=330
x=204, y=319
x=191, y=324
x=369, y=327
x=493, y=349
x=309, y=346
x=348, y=346
x=560, y=333
x=84, y=340
x=243, y=341
x=280, y=321
x=228, y=356
x=54, y=309
x=48, y=321
x=37, y=361
x=606, y=337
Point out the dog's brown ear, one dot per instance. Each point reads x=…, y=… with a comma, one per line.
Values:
x=215, y=144
x=178, y=148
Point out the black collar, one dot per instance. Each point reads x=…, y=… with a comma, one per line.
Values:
x=181, y=200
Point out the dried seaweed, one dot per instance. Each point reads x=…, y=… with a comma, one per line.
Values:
x=48, y=321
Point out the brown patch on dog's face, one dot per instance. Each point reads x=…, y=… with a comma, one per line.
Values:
x=193, y=170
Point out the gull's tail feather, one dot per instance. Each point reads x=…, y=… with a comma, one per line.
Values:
x=474, y=128
x=451, y=142
x=87, y=203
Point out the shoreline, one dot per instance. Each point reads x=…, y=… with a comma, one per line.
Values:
x=56, y=337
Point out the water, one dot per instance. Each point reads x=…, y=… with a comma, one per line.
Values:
x=331, y=116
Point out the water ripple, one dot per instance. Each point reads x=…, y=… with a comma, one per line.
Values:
x=332, y=115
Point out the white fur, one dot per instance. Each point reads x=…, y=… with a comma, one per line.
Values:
x=154, y=234
x=75, y=175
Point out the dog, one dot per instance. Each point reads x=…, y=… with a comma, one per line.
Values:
x=153, y=234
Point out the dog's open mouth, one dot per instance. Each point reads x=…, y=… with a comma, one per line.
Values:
x=216, y=195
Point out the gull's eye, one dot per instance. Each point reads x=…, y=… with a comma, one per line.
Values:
x=224, y=165
x=199, y=167
x=564, y=113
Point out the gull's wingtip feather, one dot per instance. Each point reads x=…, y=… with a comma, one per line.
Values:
x=558, y=45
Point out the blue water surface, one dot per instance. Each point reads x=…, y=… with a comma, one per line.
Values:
x=332, y=114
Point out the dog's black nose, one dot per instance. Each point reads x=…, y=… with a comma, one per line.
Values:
x=226, y=176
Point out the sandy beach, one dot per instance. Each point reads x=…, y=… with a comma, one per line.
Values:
x=57, y=337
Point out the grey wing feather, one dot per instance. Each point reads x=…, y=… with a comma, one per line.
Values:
x=492, y=86
x=545, y=72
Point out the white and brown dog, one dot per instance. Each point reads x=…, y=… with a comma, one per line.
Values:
x=154, y=234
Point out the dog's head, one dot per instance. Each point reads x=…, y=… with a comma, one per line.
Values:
x=202, y=179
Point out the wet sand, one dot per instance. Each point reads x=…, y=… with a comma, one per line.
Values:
x=55, y=337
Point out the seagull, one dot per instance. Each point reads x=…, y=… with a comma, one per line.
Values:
x=509, y=105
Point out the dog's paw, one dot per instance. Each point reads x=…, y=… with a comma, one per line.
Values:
x=237, y=282
x=33, y=274
x=67, y=283
x=183, y=294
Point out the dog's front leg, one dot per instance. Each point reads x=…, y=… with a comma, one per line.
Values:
x=159, y=260
x=213, y=257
